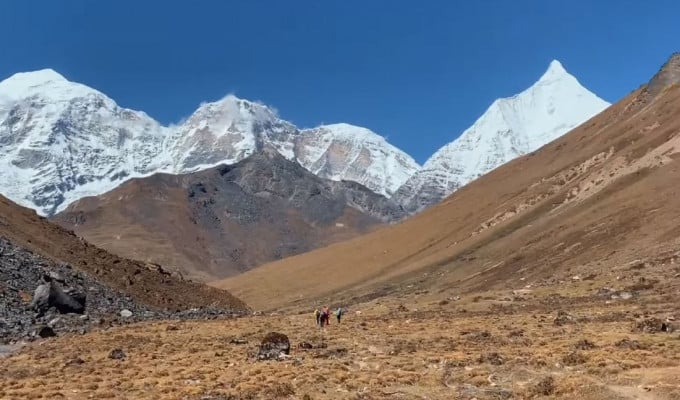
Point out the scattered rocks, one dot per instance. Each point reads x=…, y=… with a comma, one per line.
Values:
x=59, y=299
x=274, y=346
x=614, y=294
x=117, y=354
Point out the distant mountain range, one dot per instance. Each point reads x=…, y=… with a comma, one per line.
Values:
x=227, y=219
x=61, y=141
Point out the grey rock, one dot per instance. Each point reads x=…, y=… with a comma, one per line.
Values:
x=51, y=295
x=126, y=313
x=56, y=276
x=625, y=295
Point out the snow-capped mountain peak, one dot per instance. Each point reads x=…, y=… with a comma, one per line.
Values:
x=46, y=83
x=32, y=78
x=350, y=152
x=61, y=140
x=510, y=127
x=555, y=71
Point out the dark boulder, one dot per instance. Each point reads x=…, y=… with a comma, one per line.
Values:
x=117, y=354
x=274, y=346
x=45, y=332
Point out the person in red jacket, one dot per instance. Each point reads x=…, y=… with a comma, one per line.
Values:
x=325, y=316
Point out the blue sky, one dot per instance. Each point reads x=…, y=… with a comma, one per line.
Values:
x=417, y=72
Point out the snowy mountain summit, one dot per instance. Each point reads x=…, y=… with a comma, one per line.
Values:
x=509, y=128
x=61, y=141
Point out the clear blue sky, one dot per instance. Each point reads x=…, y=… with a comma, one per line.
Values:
x=417, y=72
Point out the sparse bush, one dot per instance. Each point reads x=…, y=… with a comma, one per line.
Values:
x=574, y=358
x=491, y=358
x=631, y=344
x=544, y=387
x=584, y=344
x=280, y=390
x=641, y=284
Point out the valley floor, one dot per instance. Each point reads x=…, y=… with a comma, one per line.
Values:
x=576, y=340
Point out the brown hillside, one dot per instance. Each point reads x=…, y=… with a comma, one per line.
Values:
x=225, y=220
x=147, y=284
x=604, y=194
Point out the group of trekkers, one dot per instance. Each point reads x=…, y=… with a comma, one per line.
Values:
x=323, y=316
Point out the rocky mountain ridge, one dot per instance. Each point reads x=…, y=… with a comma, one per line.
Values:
x=227, y=219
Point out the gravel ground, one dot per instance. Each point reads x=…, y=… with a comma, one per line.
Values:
x=22, y=271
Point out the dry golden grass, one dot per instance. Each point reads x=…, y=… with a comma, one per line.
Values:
x=415, y=347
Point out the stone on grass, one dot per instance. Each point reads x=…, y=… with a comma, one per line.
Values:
x=274, y=346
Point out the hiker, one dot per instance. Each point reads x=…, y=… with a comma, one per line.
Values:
x=317, y=315
x=338, y=313
x=325, y=316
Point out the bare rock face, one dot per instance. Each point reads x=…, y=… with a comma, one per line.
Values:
x=667, y=75
x=51, y=295
x=230, y=218
x=274, y=346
